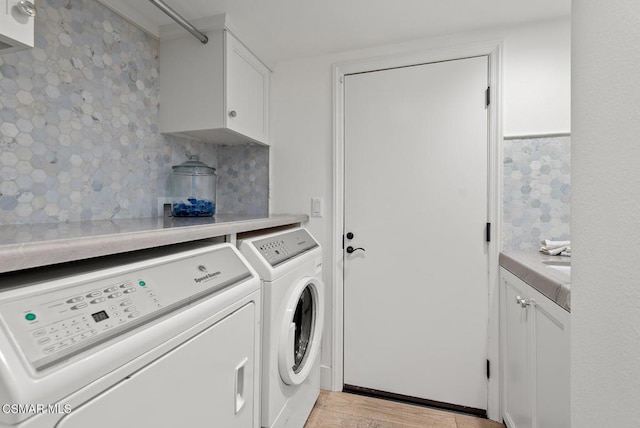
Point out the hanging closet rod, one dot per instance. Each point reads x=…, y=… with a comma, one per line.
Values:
x=180, y=20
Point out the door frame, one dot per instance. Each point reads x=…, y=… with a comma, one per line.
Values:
x=493, y=50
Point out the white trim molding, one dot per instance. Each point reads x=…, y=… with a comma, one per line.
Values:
x=492, y=49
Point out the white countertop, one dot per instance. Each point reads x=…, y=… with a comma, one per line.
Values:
x=24, y=246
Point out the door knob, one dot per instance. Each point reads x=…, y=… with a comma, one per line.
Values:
x=349, y=235
x=350, y=249
x=233, y=113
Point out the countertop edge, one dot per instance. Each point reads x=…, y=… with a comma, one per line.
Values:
x=530, y=269
x=14, y=257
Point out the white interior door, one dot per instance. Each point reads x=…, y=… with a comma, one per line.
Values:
x=416, y=198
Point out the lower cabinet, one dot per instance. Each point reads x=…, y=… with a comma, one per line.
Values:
x=534, y=346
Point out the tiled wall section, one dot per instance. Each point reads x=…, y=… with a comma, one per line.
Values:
x=79, y=133
x=243, y=179
x=537, y=191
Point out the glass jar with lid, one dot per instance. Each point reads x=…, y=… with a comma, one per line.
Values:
x=192, y=187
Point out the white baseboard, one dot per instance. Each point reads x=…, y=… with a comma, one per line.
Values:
x=325, y=378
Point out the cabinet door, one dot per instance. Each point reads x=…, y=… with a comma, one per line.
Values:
x=516, y=356
x=247, y=92
x=206, y=382
x=16, y=28
x=551, y=364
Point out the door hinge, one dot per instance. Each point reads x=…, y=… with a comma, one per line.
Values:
x=488, y=370
x=487, y=96
x=488, y=233
x=343, y=242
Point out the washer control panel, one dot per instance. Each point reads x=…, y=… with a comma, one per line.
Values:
x=282, y=247
x=61, y=320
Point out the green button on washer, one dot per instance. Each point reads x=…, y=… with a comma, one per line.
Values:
x=30, y=316
x=142, y=283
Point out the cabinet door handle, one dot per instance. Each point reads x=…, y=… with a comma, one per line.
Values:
x=523, y=302
x=27, y=8
x=233, y=113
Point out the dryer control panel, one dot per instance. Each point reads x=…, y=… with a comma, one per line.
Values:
x=284, y=246
x=58, y=320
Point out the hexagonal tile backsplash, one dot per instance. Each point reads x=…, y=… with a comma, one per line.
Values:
x=79, y=137
x=537, y=191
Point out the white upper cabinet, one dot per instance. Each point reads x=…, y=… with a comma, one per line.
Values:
x=216, y=92
x=16, y=25
x=247, y=92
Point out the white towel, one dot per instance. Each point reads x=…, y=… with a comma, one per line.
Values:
x=556, y=248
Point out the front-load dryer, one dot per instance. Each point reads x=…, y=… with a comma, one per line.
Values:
x=290, y=265
x=159, y=338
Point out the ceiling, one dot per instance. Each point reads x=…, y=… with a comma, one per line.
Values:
x=287, y=29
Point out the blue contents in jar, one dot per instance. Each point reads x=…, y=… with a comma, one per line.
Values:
x=194, y=208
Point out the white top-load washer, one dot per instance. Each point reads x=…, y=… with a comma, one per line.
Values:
x=160, y=338
x=290, y=266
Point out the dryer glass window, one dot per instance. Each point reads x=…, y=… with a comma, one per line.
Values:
x=304, y=319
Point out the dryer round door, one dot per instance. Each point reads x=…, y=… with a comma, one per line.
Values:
x=301, y=332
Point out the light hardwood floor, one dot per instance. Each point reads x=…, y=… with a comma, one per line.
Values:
x=340, y=409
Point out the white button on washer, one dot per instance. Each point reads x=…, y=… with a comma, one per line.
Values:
x=130, y=290
x=135, y=314
x=94, y=294
x=76, y=299
x=79, y=306
x=39, y=333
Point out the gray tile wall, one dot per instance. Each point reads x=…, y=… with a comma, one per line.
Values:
x=537, y=191
x=243, y=179
x=79, y=133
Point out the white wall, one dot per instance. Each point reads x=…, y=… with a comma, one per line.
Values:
x=537, y=80
x=536, y=101
x=605, y=209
